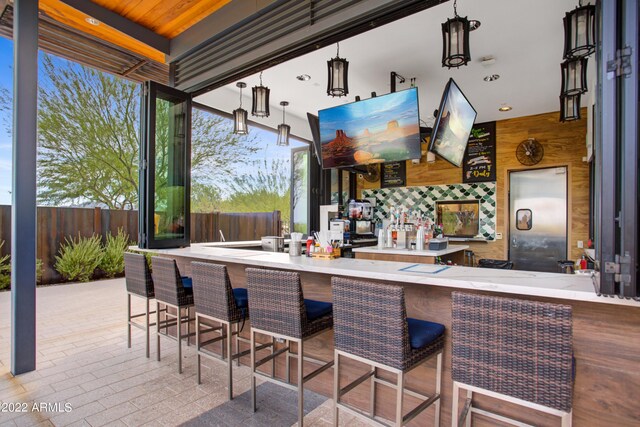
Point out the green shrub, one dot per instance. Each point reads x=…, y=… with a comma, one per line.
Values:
x=79, y=258
x=5, y=269
x=113, y=259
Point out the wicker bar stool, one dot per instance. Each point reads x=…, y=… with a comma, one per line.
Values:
x=371, y=326
x=175, y=291
x=279, y=310
x=215, y=300
x=513, y=350
x=139, y=284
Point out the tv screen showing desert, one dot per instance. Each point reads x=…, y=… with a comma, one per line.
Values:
x=376, y=130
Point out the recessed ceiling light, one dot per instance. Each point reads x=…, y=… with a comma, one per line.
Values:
x=92, y=21
x=491, y=77
x=474, y=24
x=303, y=77
x=505, y=108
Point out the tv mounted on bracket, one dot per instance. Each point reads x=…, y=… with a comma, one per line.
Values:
x=376, y=130
x=453, y=125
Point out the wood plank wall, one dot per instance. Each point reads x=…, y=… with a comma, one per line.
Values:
x=564, y=145
x=57, y=223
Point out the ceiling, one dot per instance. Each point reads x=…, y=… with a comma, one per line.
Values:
x=524, y=37
x=166, y=18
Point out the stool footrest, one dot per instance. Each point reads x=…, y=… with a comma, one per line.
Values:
x=318, y=371
x=355, y=383
x=271, y=356
x=421, y=407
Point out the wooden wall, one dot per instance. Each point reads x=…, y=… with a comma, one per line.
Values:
x=564, y=145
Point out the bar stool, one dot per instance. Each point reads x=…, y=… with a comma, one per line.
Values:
x=279, y=310
x=215, y=300
x=175, y=291
x=371, y=326
x=513, y=350
x=139, y=284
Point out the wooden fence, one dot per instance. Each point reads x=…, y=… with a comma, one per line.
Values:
x=56, y=223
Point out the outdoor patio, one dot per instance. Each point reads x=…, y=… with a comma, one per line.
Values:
x=83, y=360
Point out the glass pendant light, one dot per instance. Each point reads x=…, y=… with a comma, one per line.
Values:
x=283, y=129
x=574, y=76
x=455, y=40
x=260, y=106
x=240, y=115
x=337, y=83
x=569, y=108
x=580, y=31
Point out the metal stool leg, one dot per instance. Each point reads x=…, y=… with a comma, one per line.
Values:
x=146, y=319
x=158, y=330
x=399, y=398
x=230, y=360
x=129, y=320
x=253, y=371
x=438, y=387
x=198, y=348
x=454, y=405
x=300, y=384
x=237, y=342
x=372, y=403
x=470, y=399
x=336, y=387
x=179, y=336
x=287, y=364
x=188, y=324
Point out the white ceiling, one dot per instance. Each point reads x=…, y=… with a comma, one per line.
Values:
x=524, y=36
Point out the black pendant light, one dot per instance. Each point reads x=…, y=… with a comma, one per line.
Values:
x=337, y=83
x=574, y=76
x=284, y=129
x=260, y=106
x=569, y=108
x=240, y=115
x=580, y=31
x=455, y=40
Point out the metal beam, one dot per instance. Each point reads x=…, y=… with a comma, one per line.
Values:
x=122, y=24
x=23, y=209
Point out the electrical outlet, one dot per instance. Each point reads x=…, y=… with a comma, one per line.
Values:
x=498, y=236
x=580, y=244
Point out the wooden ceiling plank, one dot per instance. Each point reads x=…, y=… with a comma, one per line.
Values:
x=198, y=12
x=122, y=24
x=70, y=17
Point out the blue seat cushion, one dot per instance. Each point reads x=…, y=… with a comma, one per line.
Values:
x=423, y=333
x=317, y=309
x=187, y=282
x=242, y=300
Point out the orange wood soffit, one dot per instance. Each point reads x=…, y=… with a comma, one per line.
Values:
x=67, y=15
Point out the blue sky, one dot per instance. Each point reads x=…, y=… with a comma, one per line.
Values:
x=266, y=140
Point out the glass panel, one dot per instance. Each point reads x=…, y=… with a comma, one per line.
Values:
x=300, y=192
x=170, y=169
x=524, y=219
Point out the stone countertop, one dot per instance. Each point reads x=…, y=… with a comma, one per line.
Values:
x=574, y=287
x=374, y=250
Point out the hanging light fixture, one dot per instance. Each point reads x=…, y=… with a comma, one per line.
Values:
x=337, y=83
x=284, y=129
x=260, y=106
x=240, y=115
x=580, y=31
x=569, y=108
x=455, y=40
x=574, y=76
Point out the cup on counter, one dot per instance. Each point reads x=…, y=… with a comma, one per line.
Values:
x=295, y=245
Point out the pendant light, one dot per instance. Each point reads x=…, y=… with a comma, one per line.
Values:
x=240, y=115
x=580, y=31
x=574, y=76
x=455, y=40
x=569, y=108
x=337, y=83
x=260, y=106
x=283, y=129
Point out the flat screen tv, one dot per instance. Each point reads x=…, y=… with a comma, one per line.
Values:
x=453, y=125
x=377, y=130
x=459, y=218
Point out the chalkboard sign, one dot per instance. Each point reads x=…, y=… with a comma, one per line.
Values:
x=394, y=174
x=479, y=164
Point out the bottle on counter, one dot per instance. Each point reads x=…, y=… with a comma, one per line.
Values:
x=309, y=245
x=381, y=236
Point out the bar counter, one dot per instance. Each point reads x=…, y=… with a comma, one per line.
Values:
x=606, y=331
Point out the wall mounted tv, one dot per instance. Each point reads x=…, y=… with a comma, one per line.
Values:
x=377, y=130
x=453, y=125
